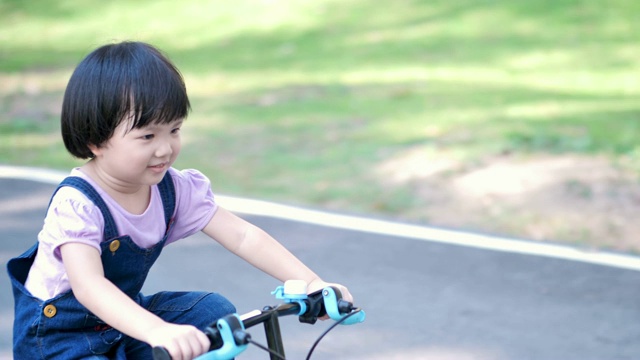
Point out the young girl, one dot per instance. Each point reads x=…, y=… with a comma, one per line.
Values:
x=77, y=290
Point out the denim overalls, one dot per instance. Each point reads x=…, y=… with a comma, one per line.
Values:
x=62, y=328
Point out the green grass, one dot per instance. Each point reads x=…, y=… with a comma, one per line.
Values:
x=301, y=101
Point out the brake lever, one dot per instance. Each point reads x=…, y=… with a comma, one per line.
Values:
x=327, y=301
x=337, y=308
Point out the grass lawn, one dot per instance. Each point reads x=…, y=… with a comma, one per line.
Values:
x=305, y=102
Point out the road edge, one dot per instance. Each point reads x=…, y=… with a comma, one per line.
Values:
x=376, y=226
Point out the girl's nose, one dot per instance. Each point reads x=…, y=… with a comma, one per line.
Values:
x=165, y=149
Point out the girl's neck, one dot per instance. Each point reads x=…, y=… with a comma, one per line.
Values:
x=133, y=198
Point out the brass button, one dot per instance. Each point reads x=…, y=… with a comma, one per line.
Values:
x=50, y=311
x=115, y=245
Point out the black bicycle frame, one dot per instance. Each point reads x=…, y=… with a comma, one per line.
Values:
x=269, y=317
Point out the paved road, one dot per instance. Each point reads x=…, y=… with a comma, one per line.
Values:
x=424, y=300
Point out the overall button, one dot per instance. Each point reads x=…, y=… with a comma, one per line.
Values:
x=50, y=311
x=115, y=245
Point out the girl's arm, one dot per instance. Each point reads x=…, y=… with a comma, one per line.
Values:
x=261, y=250
x=100, y=296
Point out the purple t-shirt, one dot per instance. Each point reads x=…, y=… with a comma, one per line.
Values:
x=72, y=217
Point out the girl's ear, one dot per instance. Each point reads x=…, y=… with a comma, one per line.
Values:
x=96, y=150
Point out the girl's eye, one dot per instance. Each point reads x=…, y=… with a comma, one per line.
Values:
x=175, y=131
x=147, y=137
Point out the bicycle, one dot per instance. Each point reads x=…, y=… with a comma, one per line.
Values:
x=229, y=337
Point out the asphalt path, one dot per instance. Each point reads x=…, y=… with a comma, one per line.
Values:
x=423, y=299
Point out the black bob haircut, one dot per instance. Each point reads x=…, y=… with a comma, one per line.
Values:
x=114, y=83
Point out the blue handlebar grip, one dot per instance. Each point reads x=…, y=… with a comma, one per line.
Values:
x=229, y=350
x=331, y=305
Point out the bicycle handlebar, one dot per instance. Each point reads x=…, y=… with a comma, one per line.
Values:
x=229, y=338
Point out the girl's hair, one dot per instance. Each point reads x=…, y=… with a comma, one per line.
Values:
x=130, y=81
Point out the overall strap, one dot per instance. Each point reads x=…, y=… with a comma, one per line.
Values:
x=168, y=196
x=110, y=228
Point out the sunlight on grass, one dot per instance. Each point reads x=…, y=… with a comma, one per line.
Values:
x=547, y=110
x=31, y=141
x=91, y=23
x=33, y=82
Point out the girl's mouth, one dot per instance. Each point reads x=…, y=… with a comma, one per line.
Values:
x=158, y=167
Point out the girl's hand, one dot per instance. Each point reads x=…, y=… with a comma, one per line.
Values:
x=318, y=284
x=183, y=342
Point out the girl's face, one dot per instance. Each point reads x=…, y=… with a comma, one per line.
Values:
x=140, y=156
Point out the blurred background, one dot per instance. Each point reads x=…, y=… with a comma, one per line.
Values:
x=515, y=118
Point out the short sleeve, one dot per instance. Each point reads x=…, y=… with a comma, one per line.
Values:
x=71, y=218
x=195, y=203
